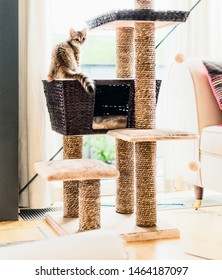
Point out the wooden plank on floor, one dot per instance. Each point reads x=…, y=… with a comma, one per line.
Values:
x=21, y=235
x=110, y=220
x=25, y=231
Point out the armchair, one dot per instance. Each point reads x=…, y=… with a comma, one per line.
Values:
x=189, y=82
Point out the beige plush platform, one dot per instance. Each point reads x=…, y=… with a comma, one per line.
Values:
x=109, y=122
x=148, y=135
x=74, y=169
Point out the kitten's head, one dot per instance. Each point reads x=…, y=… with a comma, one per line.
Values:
x=77, y=38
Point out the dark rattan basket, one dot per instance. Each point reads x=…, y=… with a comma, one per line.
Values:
x=158, y=85
x=71, y=109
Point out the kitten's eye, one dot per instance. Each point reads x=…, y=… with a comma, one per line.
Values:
x=77, y=39
x=83, y=39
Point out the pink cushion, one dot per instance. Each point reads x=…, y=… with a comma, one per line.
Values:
x=214, y=70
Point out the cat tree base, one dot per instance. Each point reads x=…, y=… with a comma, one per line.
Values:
x=123, y=224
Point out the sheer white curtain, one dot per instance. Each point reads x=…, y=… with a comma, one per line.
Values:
x=200, y=37
x=36, y=140
x=40, y=22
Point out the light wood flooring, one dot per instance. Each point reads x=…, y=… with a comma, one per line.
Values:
x=200, y=235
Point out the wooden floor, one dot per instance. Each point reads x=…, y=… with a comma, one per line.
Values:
x=201, y=235
x=23, y=231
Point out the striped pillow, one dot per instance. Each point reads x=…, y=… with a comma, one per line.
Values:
x=214, y=70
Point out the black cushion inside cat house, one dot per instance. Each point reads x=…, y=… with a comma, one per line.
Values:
x=73, y=111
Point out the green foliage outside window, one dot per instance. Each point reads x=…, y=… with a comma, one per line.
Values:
x=101, y=148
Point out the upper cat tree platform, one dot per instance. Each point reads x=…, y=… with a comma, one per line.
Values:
x=126, y=18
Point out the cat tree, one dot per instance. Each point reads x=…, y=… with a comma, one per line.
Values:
x=145, y=104
x=135, y=148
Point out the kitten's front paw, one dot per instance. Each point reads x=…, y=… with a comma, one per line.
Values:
x=49, y=79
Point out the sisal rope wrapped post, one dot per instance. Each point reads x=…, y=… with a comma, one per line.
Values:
x=143, y=4
x=125, y=52
x=145, y=105
x=125, y=150
x=72, y=148
x=146, y=184
x=89, y=205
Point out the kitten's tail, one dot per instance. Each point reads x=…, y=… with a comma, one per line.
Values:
x=85, y=81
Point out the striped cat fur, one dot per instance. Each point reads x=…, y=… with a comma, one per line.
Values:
x=65, y=60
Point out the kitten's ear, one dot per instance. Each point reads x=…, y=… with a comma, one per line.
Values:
x=72, y=32
x=84, y=31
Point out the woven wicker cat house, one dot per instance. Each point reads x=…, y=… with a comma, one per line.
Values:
x=136, y=159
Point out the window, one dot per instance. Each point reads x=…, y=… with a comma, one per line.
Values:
x=98, y=57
